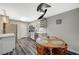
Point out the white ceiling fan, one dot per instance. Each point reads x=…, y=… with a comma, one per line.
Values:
x=42, y=8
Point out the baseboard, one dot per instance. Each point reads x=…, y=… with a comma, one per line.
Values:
x=77, y=52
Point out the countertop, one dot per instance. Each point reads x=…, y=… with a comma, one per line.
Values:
x=6, y=35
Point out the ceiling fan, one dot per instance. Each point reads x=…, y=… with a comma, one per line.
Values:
x=42, y=8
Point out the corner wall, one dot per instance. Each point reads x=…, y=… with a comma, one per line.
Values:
x=68, y=30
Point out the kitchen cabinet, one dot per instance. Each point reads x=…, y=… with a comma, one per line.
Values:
x=7, y=43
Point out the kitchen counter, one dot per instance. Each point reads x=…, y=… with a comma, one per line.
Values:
x=7, y=35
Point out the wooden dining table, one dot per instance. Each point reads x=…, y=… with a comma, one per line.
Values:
x=51, y=43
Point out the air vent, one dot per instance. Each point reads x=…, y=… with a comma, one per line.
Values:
x=59, y=21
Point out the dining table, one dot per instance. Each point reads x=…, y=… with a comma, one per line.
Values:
x=51, y=43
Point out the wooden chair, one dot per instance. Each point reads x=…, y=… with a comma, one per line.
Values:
x=60, y=51
x=40, y=50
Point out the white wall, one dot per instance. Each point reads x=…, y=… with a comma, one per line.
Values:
x=68, y=30
x=22, y=29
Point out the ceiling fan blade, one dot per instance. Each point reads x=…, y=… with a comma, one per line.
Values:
x=43, y=14
x=41, y=6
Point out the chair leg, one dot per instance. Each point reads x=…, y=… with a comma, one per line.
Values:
x=50, y=49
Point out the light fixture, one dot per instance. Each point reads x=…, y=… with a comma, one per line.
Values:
x=41, y=30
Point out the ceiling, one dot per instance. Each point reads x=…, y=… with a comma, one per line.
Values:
x=27, y=11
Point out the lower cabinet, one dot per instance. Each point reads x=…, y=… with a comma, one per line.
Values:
x=7, y=44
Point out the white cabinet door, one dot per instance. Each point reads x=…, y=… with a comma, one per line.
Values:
x=7, y=44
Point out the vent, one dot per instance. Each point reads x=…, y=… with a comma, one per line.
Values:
x=59, y=21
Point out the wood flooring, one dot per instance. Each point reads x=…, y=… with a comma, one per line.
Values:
x=26, y=46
